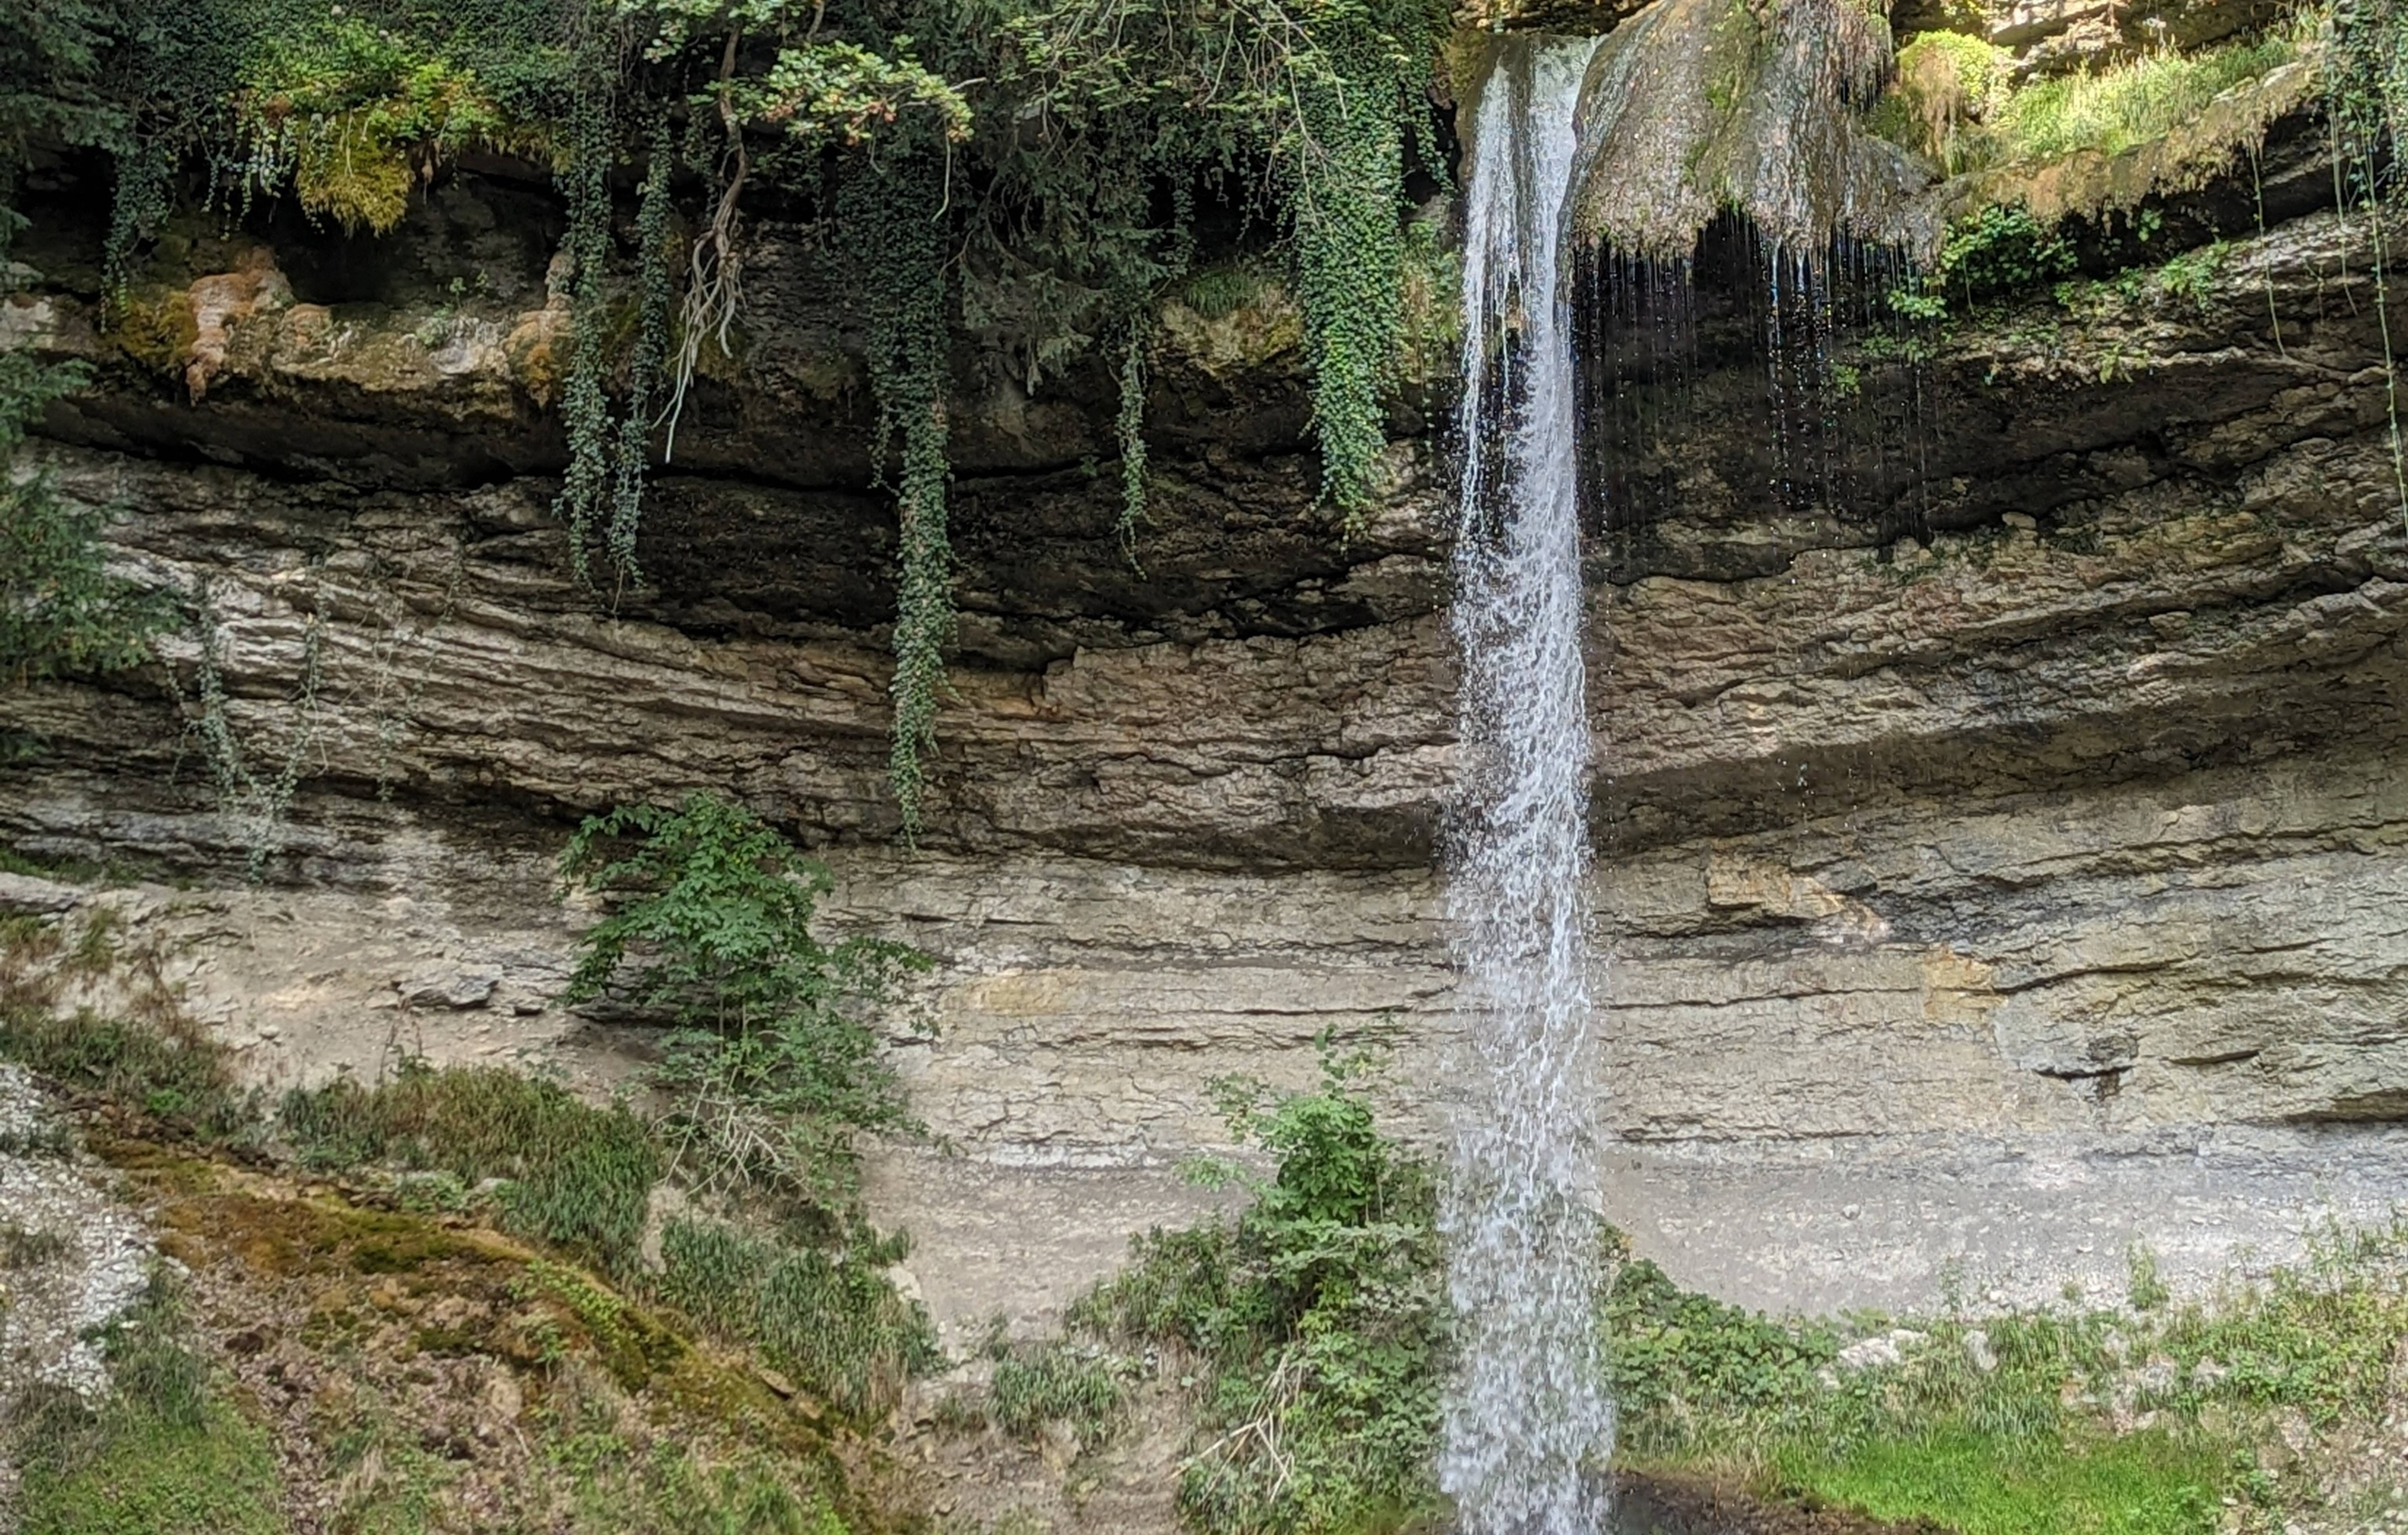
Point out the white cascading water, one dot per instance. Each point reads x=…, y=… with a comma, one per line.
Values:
x=1531, y=1424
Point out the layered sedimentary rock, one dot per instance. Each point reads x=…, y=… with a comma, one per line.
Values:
x=2067, y=822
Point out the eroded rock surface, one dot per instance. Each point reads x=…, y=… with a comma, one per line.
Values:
x=2062, y=834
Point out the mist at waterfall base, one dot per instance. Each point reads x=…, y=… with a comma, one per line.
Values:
x=1584, y=379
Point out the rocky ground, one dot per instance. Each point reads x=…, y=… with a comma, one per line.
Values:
x=73, y=1258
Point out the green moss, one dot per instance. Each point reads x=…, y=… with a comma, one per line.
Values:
x=1948, y=83
x=351, y=110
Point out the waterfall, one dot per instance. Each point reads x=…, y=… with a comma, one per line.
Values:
x=1531, y=1423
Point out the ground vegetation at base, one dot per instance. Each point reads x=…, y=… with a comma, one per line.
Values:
x=1308, y=1335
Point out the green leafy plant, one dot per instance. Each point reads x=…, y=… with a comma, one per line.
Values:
x=772, y=1066
x=2189, y=276
x=887, y=216
x=1315, y=1320
x=62, y=609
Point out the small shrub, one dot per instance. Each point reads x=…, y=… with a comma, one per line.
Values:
x=2188, y=277
x=61, y=608
x=1315, y=1320
x=2144, y=1286
x=772, y=1068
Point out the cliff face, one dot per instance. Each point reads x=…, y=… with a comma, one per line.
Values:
x=2030, y=863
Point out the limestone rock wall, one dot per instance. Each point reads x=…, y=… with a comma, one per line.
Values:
x=2072, y=820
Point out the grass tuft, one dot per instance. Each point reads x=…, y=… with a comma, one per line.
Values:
x=571, y=1174
x=832, y=1317
x=1067, y=1383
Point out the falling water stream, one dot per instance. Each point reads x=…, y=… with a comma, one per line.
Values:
x=1531, y=1425
x=1595, y=170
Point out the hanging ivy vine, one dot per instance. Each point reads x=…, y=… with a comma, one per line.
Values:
x=2368, y=120
x=1033, y=165
x=655, y=242
x=584, y=398
x=1345, y=167
x=890, y=225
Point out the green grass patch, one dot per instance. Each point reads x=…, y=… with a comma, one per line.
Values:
x=573, y=1174
x=2113, y=110
x=1067, y=1383
x=601, y=1480
x=828, y=1315
x=1977, y=1484
x=163, y=1455
x=1955, y=102
x=819, y=1306
x=155, y=1063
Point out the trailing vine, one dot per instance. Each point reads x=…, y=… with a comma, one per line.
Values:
x=584, y=402
x=655, y=235
x=1128, y=426
x=1345, y=166
x=257, y=805
x=1036, y=165
x=889, y=217
x=2367, y=119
